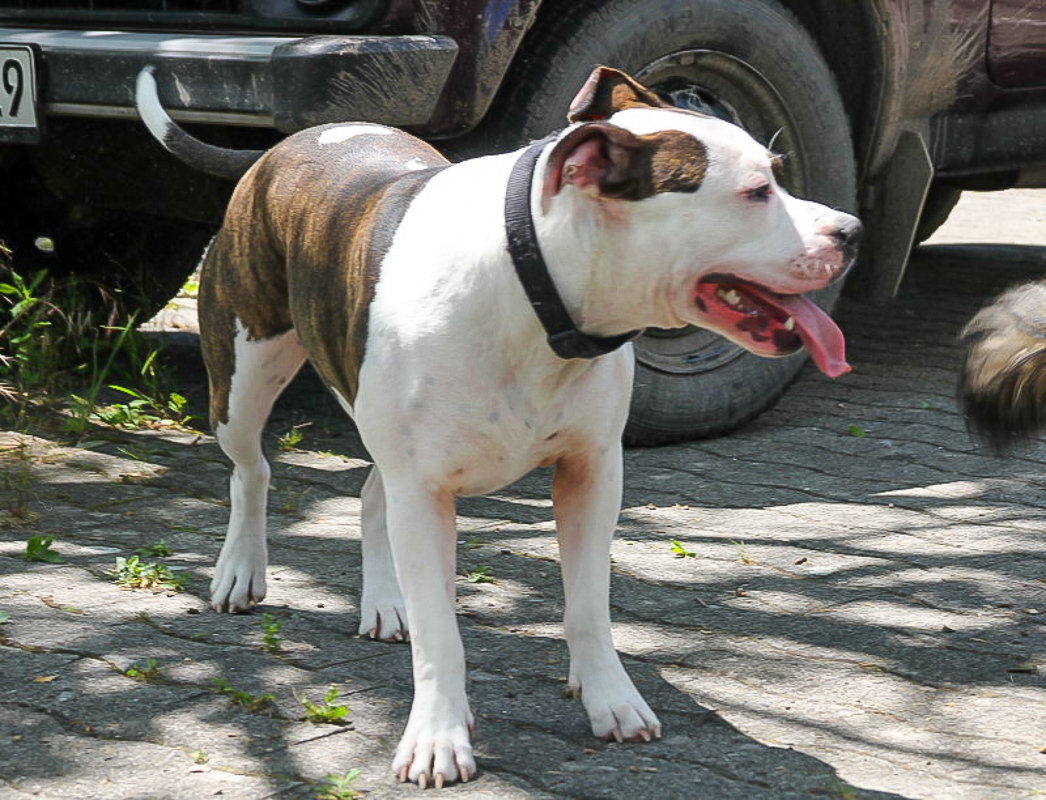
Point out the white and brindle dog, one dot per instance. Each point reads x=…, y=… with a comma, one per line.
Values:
x=470, y=351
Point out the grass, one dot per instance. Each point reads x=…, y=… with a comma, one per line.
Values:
x=28, y=350
x=54, y=353
x=16, y=481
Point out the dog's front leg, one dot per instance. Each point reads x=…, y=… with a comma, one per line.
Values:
x=435, y=746
x=586, y=492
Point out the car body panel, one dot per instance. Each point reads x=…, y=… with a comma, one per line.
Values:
x=965, y=78
x=1017, y=45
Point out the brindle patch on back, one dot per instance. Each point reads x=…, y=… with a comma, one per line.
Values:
x=302, y=244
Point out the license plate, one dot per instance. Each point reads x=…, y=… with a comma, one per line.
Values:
x=19, y=103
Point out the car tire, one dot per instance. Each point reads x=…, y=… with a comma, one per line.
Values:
x=749, y=61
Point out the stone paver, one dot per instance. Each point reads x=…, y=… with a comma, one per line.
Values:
x=863, y=615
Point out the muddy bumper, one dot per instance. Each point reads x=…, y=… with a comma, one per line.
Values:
x=287, y=83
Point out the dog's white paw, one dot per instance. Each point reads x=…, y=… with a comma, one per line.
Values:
x=239, y=578
x=384, y=618
x=436, y=748
x=615, y=707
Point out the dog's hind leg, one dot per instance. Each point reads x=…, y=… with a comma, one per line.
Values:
x=260, y=371
x=586, y=493
x=383, y=614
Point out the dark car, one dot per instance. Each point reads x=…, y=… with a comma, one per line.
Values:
x=887, y=107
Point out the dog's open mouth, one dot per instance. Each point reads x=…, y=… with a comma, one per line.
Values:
x=779, y=322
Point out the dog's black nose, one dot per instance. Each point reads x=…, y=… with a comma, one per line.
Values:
x=848, y=232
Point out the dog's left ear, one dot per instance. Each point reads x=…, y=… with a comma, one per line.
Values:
x=610, y=162
x=608, y=91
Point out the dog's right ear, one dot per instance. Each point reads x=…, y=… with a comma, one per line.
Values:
x=608, y=91
x=607, y=161
x=598, y=159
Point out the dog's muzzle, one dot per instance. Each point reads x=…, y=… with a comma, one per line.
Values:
x=847, y=233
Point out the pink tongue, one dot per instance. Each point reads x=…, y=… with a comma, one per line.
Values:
x=822, y=337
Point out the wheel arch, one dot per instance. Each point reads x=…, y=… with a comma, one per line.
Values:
x=851, y=44
x=848, y=41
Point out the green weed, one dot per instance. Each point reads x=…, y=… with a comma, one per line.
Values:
x=857, y=431
x=327, y=711
x=681, y=552
x=271, y=639
x=842, y=791
x=742, y=552
x=338, y=787
x=243, y=699
x=292, y=438
x=17, y=483
x=480, y=575
x=149, y=672
x=157, y=550
x=143, y=411
x=38, y=548
x=5, y=617
x=133, y=573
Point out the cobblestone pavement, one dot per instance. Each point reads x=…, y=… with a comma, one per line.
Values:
x=859, y=612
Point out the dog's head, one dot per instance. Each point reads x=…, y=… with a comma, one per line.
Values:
x=728, y=247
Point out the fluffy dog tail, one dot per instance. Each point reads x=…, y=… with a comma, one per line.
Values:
x=1003, y=383
x=220, y=161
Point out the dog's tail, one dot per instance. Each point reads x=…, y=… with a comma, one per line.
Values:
x=1002, y=387
x=220, y=161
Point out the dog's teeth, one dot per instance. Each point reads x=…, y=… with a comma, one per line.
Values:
x=789, y=324
x=731, y=297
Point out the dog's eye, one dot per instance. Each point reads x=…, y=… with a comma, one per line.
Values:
x=761, y=193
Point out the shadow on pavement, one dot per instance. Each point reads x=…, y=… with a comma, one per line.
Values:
x=855, y=607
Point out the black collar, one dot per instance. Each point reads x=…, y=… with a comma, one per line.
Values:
x=563, y=336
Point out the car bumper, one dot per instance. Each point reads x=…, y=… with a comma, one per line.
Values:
x=287, y=83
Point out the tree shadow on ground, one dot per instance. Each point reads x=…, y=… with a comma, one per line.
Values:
x=859, y=597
